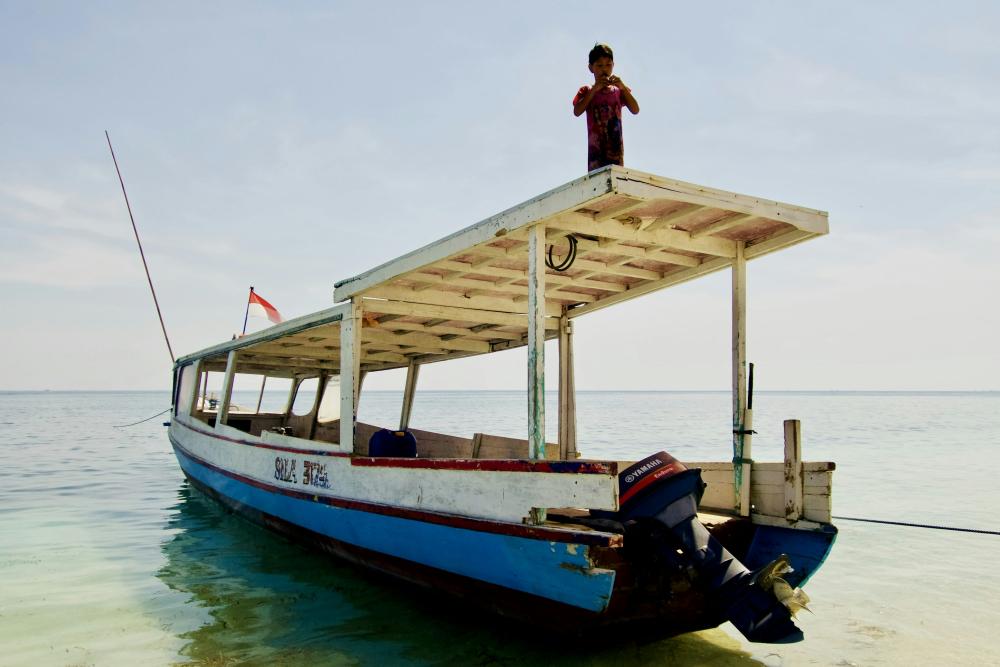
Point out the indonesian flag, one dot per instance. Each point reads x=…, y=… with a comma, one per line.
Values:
x=259, y=307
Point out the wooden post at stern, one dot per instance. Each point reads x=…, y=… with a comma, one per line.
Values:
x=793, y=470
x=350, y=373
x=227, y=389
x=567, y=391
x=536, y=342
x=741, y=453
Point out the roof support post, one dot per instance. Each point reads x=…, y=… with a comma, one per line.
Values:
x=567, y=391
x=536, y=341
x=227, y=390
x=741, y=443
x=412, y=371
x=350, y=373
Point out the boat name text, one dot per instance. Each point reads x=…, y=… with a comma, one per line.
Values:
x=314, y=474
x=284, y=470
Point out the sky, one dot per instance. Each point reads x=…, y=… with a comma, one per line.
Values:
x=291, y=145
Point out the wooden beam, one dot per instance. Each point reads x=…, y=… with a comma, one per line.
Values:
x=567, y=391
x=536, y=342
x=452, y=313
x=287, y=362
x=504, y=288
x=619, y=209
x=484, y=334
x=438, y=298
x=423, y=339
x=412, y=370
x=680, y=215
x=550, y=278
x=227, y=389
x=570, y=196
x=616, y=248
x=674, y=278
x=664, y=238
x=647, y=186
x=741, y=468
x=191, y=405
x=777, y=242
x=793, y=470
x=350, y=373
x=722, y=225
x=401, y=349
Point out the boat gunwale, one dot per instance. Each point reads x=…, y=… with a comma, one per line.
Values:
x=493, y=465
x=549, y=533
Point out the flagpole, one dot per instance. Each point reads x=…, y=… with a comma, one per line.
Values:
x=247, y=315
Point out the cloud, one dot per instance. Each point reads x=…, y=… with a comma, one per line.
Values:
x=36, y=206
x=69, y=263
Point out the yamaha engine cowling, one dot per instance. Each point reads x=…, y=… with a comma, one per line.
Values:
x=662, y=489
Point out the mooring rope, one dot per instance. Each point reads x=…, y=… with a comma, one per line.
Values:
x=919, y=525
x=142, y=420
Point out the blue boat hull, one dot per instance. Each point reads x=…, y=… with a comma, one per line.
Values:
x=570, y=584
x=557, y=571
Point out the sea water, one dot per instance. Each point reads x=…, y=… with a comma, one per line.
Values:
x=108, y=557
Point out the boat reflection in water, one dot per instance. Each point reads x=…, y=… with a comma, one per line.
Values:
x=258, y=599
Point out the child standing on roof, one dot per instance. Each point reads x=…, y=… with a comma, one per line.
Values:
x=603, y=103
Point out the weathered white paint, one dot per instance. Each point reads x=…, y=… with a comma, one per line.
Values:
x=793, y=470
x=272, y=438
x=438, y=298
x=412, y=371
x=674, y=278
x=641, y=185
x=187, y=394
x=569, y=196
x=722, y=225
x=503, y=496
x=739, y=364
x=350, y=372
x=536, y=342
x=666, y=238
x=227, y=390
x=457, y=313
x=567, y=391
x=283, y=330
x=767, y=489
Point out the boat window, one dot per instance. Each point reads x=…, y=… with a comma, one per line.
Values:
x=275, y=398
x=305, y=396
x=329, y=405
x=210, y=390
x=185, y=392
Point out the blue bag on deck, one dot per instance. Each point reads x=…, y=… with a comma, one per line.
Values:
x=392, y=443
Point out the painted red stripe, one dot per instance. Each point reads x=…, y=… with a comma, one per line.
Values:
x=646, y=481
x=262, y=445
x=438, y=518
x=494, y=465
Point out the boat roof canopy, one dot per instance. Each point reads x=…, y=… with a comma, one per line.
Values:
x=634, y=233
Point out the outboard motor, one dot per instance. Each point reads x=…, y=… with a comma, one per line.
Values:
x=661, y=489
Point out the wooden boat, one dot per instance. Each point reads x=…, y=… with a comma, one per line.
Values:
x=527, y=528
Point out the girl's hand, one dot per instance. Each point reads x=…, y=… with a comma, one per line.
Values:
x=618, y=82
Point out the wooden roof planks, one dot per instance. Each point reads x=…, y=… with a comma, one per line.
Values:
x=468, y=293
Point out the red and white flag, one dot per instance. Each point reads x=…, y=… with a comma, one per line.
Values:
x=259, y=307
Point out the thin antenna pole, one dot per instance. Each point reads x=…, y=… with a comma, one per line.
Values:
x=141, y=253
x=247, y=315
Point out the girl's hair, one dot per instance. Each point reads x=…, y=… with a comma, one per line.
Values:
x=600, y=51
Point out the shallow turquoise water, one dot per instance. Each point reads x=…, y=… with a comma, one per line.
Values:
x=108, y=558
